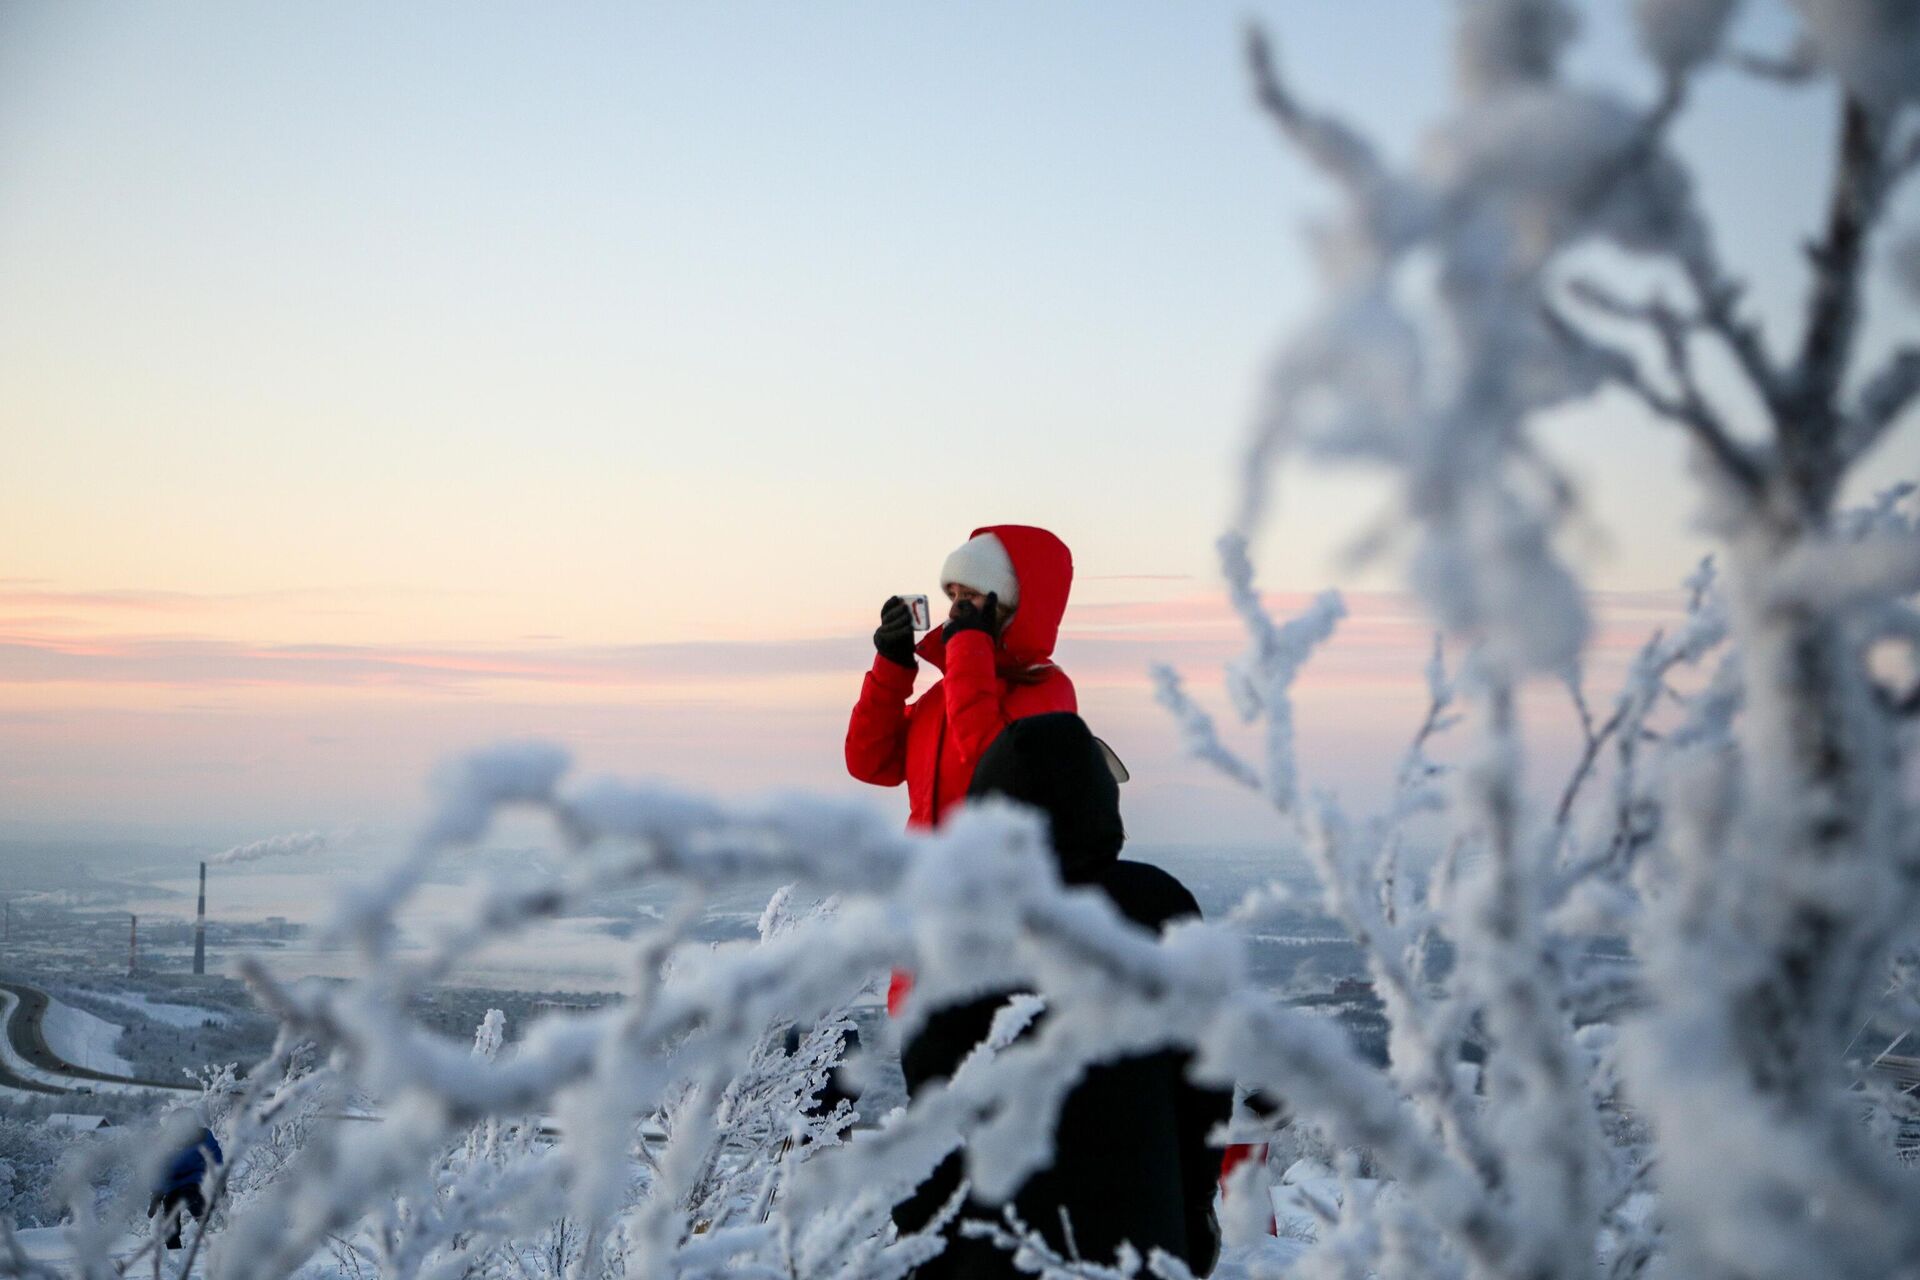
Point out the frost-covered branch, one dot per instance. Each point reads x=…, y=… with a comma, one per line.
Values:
x=1718, y=297
x=1197, y=730
x=1690, y=409
x=1807, y=425
x=458, y=1178
x=1341, y=152
x=1883, y=398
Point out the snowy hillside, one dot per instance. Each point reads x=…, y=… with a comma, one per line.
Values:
x=82, y=1039
x=173, y=1015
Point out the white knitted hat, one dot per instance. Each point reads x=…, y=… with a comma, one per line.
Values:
x=982, y=563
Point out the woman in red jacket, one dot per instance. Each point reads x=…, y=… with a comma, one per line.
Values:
x=1008, y=585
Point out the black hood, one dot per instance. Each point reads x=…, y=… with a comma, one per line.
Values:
x=1052, y=763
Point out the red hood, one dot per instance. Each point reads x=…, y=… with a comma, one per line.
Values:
x=1044, y=568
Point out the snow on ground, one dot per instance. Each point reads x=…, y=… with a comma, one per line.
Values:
x=174, y=1015
x=1307, y=1190
x=82, y=1039
x=1265, y=1257
x=51, y=1245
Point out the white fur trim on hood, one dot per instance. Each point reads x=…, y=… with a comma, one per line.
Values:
x=982, y=563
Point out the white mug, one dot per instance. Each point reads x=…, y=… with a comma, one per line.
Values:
x=922, y=615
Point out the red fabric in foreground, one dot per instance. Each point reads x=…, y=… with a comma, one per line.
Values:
x=899, y=987
x=1236, y=1154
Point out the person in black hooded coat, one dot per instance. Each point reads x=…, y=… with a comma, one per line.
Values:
x=1131, y=1160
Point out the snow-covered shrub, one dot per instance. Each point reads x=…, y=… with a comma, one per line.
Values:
x=30, y=1157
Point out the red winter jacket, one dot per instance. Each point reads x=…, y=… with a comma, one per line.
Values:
x=933, y=743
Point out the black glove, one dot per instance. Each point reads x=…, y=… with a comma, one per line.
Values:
x=968, y=617
x=893, y=638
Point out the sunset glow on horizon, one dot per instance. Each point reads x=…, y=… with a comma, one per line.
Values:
x=300, y=734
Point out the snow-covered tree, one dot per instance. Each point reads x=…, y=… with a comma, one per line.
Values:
x=1758, y=843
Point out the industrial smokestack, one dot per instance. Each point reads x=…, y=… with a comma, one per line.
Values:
x=200, y=926
x=133, y=944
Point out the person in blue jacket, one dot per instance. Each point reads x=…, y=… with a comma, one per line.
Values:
x=180, y=1182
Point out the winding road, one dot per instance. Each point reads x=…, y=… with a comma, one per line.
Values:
x=28, y=1064
x=9, y=1078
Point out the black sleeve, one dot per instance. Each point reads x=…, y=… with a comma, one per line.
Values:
x=1153, y=899
x=1199, y=1111
x=945, y=1040
x=943, y=1043
x=1147, y=895
x=917, y=1210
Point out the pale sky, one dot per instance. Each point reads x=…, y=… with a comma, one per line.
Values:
x=382, y=380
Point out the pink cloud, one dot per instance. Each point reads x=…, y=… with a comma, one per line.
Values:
x=1136, y=577
x=33, y=593
x=1383, y=640
x=203, y=662
x=143, y=601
